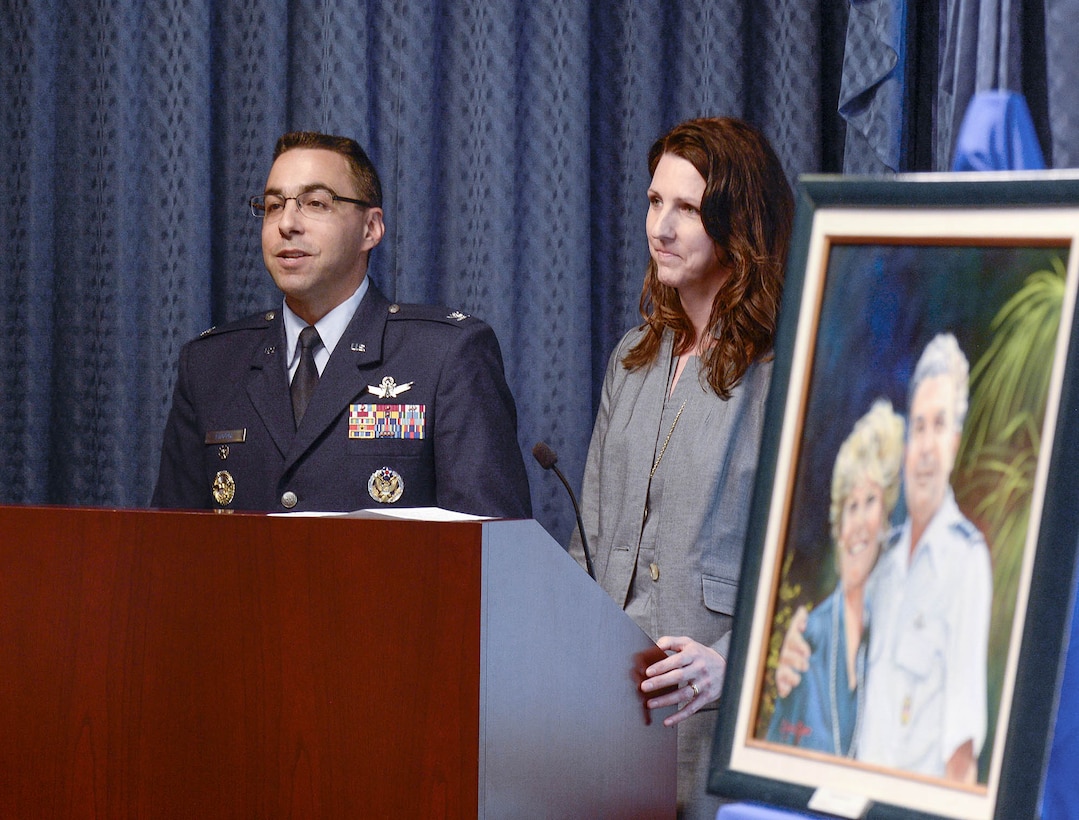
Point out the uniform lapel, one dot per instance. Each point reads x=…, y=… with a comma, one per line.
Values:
x=267, y=384
x=341, y=381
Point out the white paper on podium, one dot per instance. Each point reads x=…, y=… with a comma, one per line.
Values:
x=402, y=514
x=417, y=514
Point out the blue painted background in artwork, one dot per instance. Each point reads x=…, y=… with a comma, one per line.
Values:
x=881, y=305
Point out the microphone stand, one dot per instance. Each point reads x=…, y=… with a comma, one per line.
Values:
x=548, y=461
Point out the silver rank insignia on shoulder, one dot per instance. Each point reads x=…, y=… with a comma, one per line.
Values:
x=385, y=485
x=389, y=389
x=460, y=317
x=224, y=488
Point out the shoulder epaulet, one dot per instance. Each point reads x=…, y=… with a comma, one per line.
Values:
x=966, y=530
x=429, y=313
x=255, y=321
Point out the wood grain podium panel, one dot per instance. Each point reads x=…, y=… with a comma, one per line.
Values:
x=172, y=664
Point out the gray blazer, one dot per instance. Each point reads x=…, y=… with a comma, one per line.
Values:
x=712, y=454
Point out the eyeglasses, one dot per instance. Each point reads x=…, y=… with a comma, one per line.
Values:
x=316, y=204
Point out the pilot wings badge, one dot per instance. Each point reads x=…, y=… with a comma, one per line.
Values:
x=389, y=389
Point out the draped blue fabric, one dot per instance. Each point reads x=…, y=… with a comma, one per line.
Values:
x=511, y=138
x=997, y=134
x=871, y=98
x=982, y=43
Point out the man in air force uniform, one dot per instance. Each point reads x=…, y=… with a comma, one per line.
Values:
x=339, y=400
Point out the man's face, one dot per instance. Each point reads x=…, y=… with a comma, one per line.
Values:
x=931, y=446
x=317, y=262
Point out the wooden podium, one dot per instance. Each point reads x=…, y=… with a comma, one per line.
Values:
x=162, y=664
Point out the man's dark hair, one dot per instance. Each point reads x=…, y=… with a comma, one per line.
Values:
x=368, y=185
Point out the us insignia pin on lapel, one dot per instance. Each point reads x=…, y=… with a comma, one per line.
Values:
x=385, y=485
x=389, y=389
x=224, y=488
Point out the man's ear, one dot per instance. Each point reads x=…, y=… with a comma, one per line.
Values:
x=373, y=228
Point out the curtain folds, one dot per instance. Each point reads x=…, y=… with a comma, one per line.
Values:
x=872, y=95
x=511, y=139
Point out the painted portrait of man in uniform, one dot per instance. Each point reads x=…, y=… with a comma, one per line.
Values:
x=929, y=605
x=913, y=694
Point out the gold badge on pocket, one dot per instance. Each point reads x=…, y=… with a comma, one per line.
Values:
x=385, y=485
x=224, y=488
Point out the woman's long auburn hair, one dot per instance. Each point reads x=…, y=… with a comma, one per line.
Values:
x=748, y=210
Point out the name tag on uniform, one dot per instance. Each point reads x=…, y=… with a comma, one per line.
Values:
x=369, y=421
x=226, y=436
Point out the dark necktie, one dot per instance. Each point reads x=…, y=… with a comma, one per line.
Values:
x=306, y=378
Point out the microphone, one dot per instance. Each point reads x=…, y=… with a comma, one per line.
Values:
x=548, y=460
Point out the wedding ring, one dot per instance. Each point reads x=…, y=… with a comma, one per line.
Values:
x=696, y=691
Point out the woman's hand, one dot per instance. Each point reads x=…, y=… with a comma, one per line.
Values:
x=697, y=670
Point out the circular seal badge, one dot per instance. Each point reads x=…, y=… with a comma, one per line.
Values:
x=385, y=485
x=224, y=488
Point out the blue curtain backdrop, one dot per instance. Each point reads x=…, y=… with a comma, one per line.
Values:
x=511, y=138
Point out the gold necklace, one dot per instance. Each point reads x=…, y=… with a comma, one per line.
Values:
x=655, y=466
x=666, y=441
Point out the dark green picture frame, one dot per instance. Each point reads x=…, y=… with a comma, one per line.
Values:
x=877, y=267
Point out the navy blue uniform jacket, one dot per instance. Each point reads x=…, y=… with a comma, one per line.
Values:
x=232, y=413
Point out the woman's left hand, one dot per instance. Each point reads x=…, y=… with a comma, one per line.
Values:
x=697, y=670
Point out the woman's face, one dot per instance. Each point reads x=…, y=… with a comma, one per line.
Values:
x=860, y=532
x=685, y=255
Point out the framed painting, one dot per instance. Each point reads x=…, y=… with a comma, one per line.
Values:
x=905, y=593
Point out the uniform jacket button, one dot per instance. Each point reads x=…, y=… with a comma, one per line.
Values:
x=288, y=500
